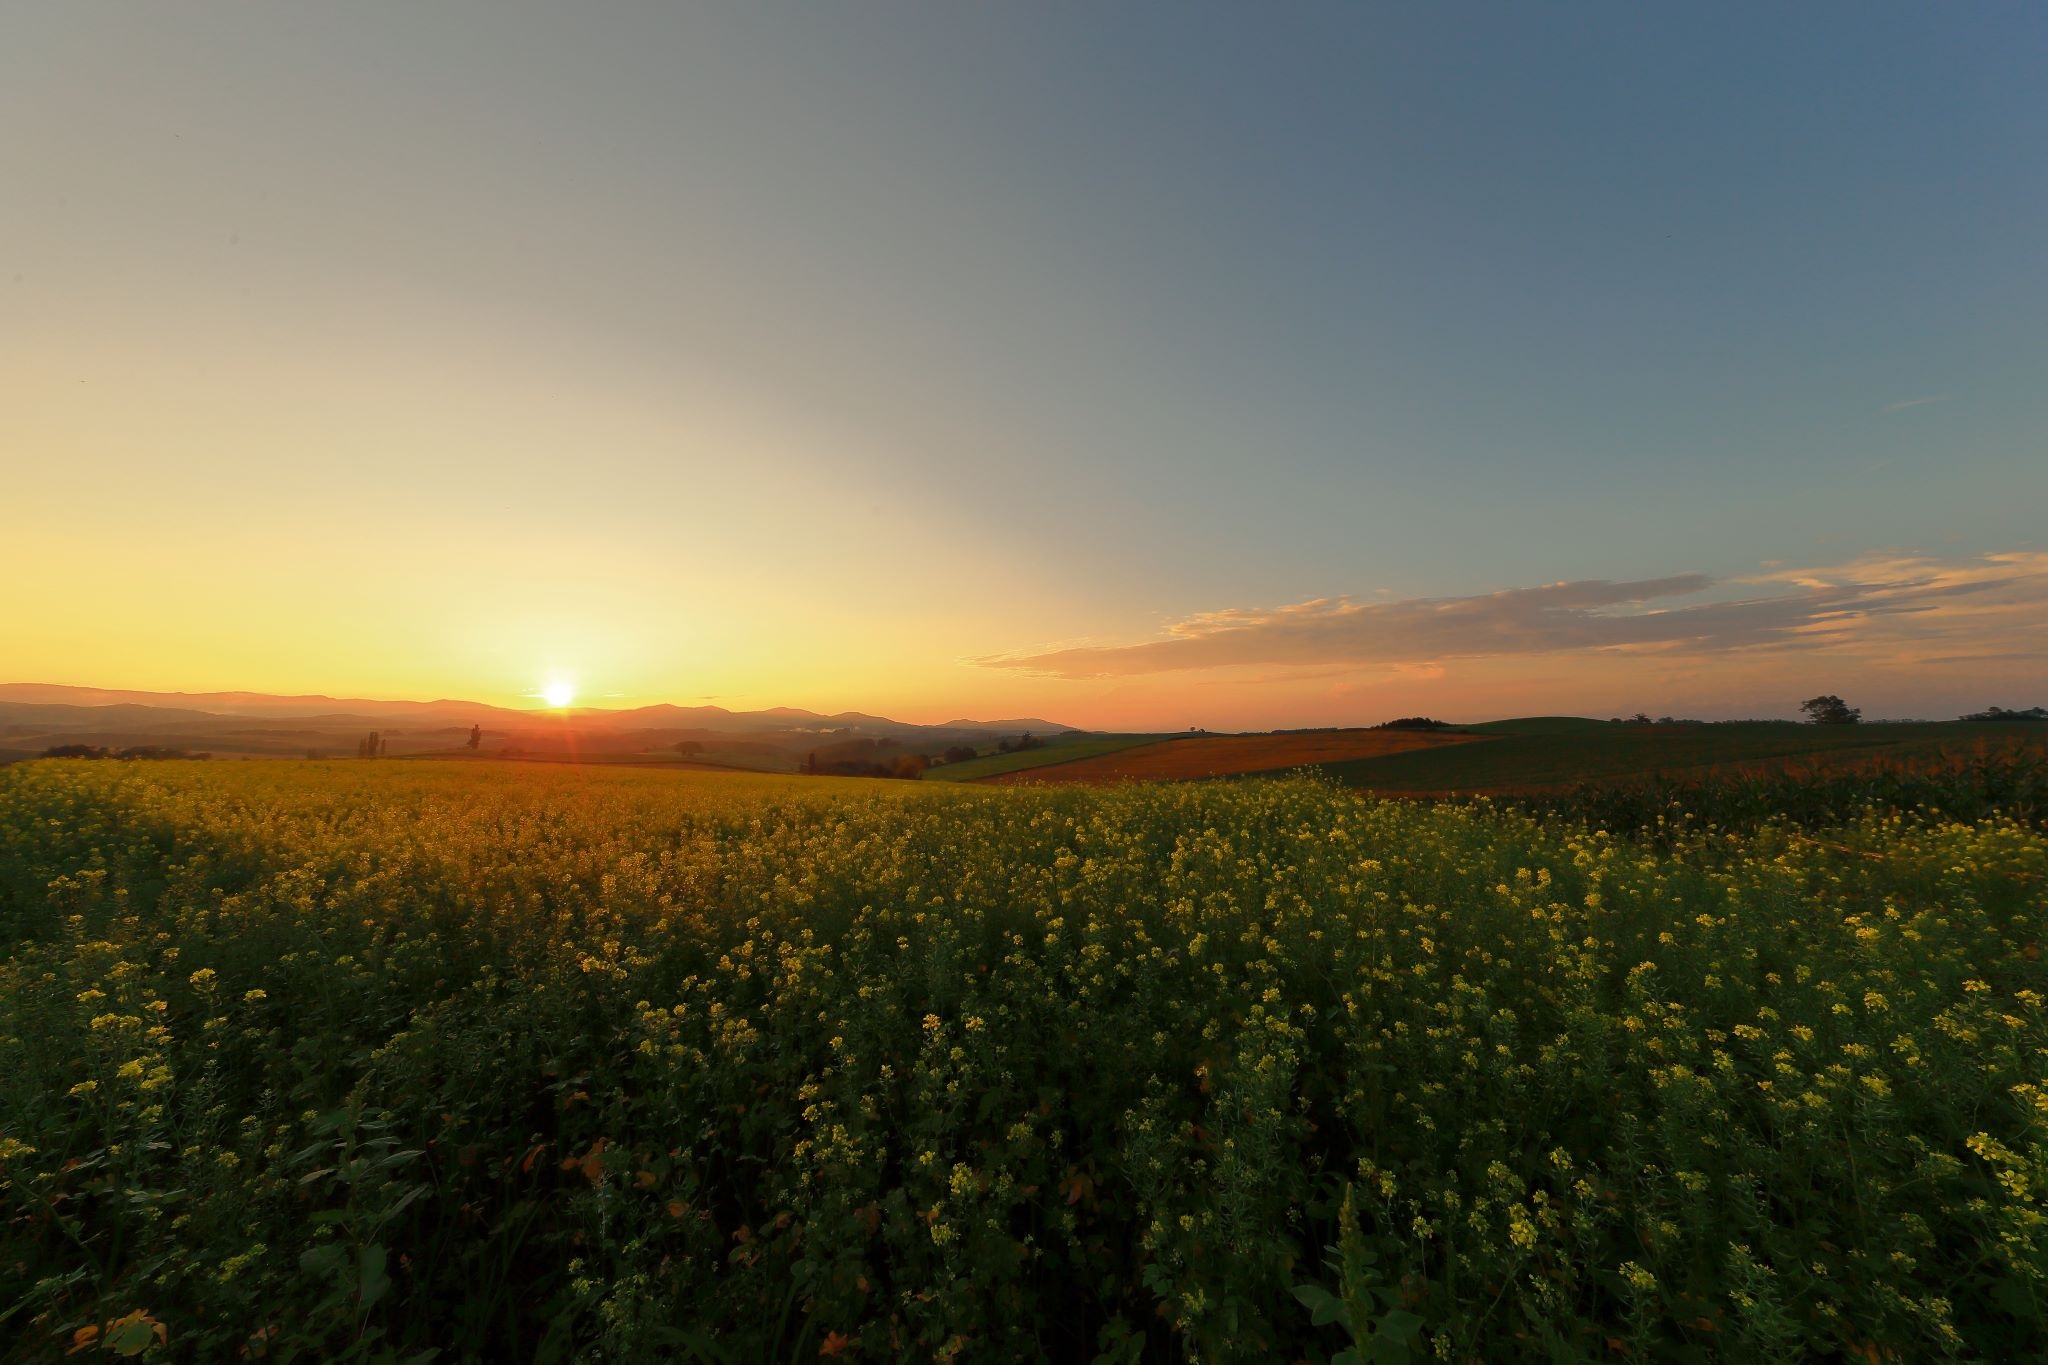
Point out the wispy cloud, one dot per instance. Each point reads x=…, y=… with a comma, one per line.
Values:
x=1895, y=604
x=1889, y=408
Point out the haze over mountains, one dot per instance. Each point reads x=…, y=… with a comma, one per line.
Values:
x=36, y=716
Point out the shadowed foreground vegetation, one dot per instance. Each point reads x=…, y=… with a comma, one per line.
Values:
x=399, y=1062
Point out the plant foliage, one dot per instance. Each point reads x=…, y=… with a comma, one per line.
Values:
x=442, y=1061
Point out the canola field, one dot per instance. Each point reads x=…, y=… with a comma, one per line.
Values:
x=409, y=1062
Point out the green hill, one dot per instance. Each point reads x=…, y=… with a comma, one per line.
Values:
x=1058, y=749
x=1558, y=752
x=1537, y=725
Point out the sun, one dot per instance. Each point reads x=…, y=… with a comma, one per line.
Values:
x=558, y=693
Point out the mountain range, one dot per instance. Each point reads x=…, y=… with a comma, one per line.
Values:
x=36, y=716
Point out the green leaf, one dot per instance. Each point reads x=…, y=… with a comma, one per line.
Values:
x=324, y=1261
x=129, y=1336
x=371, y=1281
x=1324, y=1307
x=1401, y=1325
x=415, y=1193
x=1383, y=1350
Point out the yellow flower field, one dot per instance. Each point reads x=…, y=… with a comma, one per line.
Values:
x=408, y=1061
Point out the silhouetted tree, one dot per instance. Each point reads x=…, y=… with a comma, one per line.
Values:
x=370, y=746
x=476, y=737
x=1830, y=710
x=689, y=748
x=960, y=753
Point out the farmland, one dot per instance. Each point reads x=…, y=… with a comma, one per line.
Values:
x=364, y=1060
x=1201, y=756
x=1541, y=756
x=1058, y=749
x=1537, y=754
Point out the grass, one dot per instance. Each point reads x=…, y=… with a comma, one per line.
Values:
x=1557, y=755
x=1196, y=757
x=2008, y=781
x=462, y=1061
x=1537, y=725
x=1058, y=749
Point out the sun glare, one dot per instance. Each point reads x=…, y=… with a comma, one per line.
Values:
x=558, y=693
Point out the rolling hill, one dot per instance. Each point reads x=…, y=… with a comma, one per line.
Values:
x=37, y=716
x=1542, y=754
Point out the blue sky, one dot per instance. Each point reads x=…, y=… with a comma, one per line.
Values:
x=1124, y=315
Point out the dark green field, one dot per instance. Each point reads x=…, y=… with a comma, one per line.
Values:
x=1058, y=749
x=1552, y=752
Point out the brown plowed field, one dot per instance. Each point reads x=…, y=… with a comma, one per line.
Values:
x=1175, y=760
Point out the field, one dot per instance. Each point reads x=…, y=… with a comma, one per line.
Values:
x=1554, y=752
x=1057, y=749
x=1535, y=754
x=406, y=1061
x=1201, y=756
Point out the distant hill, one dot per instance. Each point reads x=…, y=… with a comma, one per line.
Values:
x=244, y=703
x=1036, y=727
x=36, y=716
x=1536, y=725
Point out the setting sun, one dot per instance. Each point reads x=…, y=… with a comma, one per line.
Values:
x=558, y=693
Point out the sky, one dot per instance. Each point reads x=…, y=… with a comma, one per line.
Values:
x=1134, y=366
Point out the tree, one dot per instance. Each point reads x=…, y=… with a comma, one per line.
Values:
x=476, y=737
x=1830, y=710
x=370, y=746
x=689, y=748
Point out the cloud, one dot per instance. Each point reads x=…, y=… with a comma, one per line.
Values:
x=1895, y=607
x=1889, y=408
